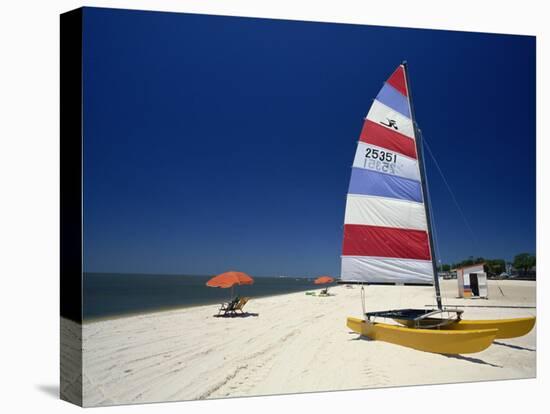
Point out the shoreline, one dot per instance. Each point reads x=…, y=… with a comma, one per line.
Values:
x=169, y=308
x=180, y=307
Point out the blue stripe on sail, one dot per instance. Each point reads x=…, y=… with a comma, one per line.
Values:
x=389, y=96
x=373, y=183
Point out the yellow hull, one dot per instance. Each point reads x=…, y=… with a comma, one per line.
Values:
x=429, y=340
x=507, y=328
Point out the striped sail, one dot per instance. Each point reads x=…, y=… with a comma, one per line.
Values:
x=385, y=227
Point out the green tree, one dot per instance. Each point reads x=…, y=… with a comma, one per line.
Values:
x=524, y=261
x=494, y=266
x=445, y=267
x=464, y=263
x=499, y=266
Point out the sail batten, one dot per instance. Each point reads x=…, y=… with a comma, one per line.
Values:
x=386, y=234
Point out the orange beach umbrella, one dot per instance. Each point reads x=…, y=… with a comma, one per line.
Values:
x=321, y=280
x=230, y=279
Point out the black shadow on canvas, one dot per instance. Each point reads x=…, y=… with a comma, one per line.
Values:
x=71, y=206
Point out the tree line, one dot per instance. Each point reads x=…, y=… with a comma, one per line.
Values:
x=522, y=263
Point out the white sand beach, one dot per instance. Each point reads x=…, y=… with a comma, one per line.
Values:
x=295, y=343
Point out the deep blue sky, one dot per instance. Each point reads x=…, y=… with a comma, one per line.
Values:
x=216, y=143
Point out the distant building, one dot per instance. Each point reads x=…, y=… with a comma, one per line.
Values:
x=472, y=282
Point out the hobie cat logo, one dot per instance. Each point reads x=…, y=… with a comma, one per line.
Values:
x=391, y=123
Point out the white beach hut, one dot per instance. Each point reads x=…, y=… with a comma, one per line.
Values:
x=472, y=282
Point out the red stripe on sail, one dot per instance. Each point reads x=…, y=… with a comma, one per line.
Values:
x=397, y=80
x=360, y=240
x=381, y=136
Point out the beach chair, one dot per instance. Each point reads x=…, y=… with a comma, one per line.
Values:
x=231, y=308
x=240, y=305
x=228, y=307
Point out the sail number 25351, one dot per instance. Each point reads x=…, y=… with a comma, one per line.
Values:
x=384, y=156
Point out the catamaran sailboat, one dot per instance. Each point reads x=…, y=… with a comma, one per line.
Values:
x=388, y=233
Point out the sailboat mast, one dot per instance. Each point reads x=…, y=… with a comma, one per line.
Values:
x=420, y=154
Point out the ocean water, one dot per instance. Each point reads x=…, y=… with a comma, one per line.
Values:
x=109, y=294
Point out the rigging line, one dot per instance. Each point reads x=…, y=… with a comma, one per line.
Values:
x=363, y=299
x=432, y=218
x=474, y=238
x=437, y=251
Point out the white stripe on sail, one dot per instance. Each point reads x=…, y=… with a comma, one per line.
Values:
x=384, y=115
x=379, y=159
x=385, y=212
x=386, y=270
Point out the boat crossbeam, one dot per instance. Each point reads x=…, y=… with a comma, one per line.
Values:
x=420, y=318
